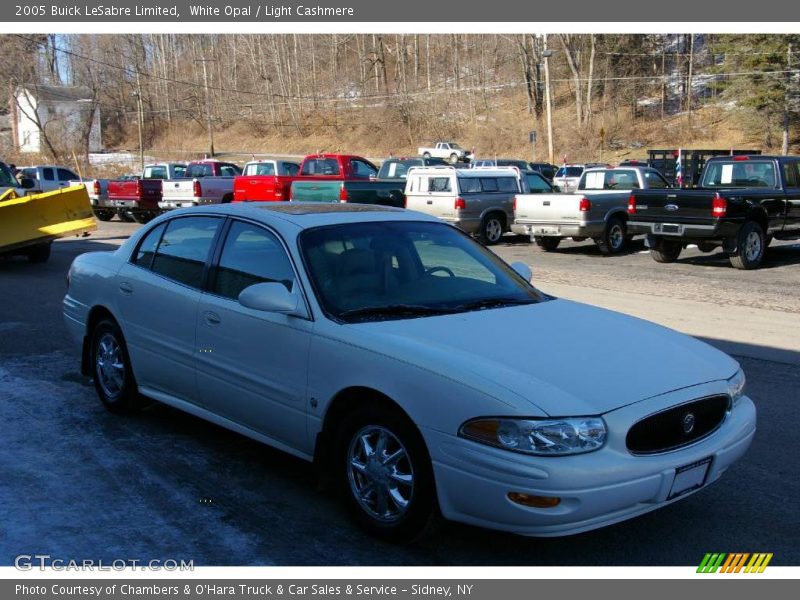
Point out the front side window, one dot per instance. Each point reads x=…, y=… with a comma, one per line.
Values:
x=203, y=170
x=791, y=174
x=48, y=174
x=229, y=170
x=250, y=255
x=184, y=249
x=289, y=169
x=65, y=175
x=362, y=169
x=537, y=184
x=398, y=270
x=655, y=181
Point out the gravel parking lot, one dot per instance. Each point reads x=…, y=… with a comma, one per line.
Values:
x=80, y=483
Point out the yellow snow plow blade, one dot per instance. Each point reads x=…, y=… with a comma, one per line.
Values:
x=44, y=217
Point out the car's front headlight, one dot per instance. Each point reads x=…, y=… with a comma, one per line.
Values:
x=736, y=386
x=545, y=437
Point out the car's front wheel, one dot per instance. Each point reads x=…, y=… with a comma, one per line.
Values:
x=492, y=227
x=111, y=369
x=386, y=474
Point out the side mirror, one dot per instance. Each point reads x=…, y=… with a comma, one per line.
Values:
x=272, y=297
x=26, y=183
x=523, y=270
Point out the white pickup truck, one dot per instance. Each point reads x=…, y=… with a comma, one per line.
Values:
x=103, y=208
x=205, y=182
x=48, y=177
x=446, y=150
x=597, y=210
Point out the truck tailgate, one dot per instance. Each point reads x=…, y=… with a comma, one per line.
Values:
x=178, y=189
x=548, y=208
x=673, y=206
x=442, y=206
x=316, y=190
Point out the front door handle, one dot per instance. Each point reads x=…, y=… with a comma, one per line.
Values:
x=211, y=318
x=126, y=288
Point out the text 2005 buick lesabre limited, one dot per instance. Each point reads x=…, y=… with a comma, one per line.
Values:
x=423, y=372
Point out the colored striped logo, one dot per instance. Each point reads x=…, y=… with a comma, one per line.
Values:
x=735, y=562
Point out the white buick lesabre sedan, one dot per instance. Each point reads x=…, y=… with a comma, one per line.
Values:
x=419, y=370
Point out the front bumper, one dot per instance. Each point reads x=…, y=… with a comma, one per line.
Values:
x=596, y=489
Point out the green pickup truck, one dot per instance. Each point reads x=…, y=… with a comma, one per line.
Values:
x=347, y=178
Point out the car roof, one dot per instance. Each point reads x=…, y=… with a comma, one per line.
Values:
x=306, y=215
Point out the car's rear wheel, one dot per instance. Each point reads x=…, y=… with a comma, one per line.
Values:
x=104, y=215
x=666, y=251
x=125, y=216
x=706, y=247
x=492, y=227
x=751, y=244
x=426, y=155
x=111, y=369
x=615, y=237
x=142, y=216
x=453, y=158
x=547, y=243
x=386, y=474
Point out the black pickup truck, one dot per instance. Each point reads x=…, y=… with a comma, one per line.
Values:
x=742, y=203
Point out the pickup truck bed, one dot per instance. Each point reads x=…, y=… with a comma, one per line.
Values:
x=743, y=203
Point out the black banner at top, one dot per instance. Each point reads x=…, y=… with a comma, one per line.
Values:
x=358, y=11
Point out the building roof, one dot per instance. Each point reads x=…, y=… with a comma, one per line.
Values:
x=59, y=93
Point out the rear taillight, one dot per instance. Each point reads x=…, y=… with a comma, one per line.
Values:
x=197, y=189
x=139, y=188
x=96, y=187
x=632, y=205
x=514, y=204
x=342, y=194
x=584, y=205
x=460, y=204
x=719, y=206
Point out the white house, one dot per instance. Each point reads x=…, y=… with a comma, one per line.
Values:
x=62, y=111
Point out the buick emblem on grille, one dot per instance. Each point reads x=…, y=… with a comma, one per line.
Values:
x=688, y=423
x=671, y=207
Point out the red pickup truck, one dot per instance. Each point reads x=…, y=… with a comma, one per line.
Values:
x=324, y=177
x=139, y=197
x=265, y=180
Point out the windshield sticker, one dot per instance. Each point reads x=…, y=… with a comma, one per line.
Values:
x=594, y=181
x=727, y=174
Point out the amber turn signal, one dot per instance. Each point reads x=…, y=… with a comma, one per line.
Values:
x=535, y=501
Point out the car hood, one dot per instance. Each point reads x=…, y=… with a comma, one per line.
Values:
x=561, y=357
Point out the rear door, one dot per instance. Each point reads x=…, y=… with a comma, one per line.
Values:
x=158, y=294
x=791, y=169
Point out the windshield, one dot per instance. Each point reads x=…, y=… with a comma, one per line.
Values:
x=569, y=172
x=739, y=173
x=400, y=269
x=7, y=179
x=454, y=146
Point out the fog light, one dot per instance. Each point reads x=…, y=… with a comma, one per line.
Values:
x=535, y=501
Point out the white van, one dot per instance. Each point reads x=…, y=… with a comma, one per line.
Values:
x=479, y=201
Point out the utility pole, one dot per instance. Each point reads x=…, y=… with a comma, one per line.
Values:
x=786, y=98
x=209, y=122
x=689, y=87
x=548, y=102
x=140, y=119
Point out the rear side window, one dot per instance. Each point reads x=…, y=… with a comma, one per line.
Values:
x=507, y=184
x=251, y=255
x=489, y=184
x=179, y=170
x=204, y=170
x=469, y=185
x=66, y=175
x=439, y=184
x=792, y=174
x=229, y=170
x=320, y=166
x=143, y=256
x=184, y=249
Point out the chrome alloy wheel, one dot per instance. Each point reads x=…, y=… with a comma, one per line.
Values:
x=380, y=473
x=494, y=230
x=616, y=236
x=109, y=366
x=752, y=246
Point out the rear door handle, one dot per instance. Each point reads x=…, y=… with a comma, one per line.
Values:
x=211, y=318
x=126, y=288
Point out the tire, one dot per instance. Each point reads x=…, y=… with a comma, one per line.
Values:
x=104, y=214
x=111, y=369
x=405, y=505
x=706, y=247
x=768, y=241
x=226, y=199
x=125, y=216
x=39, y=253
x=142, y=217
x=615, y=237
x=579, y=239
x=492, y=228
x=426, y=155
x=547, y=244
x=751, y=244
x=666, y=251
x=453, y=158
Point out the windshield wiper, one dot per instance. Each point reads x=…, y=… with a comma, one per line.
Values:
x=395, y=310
x=492, y=303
